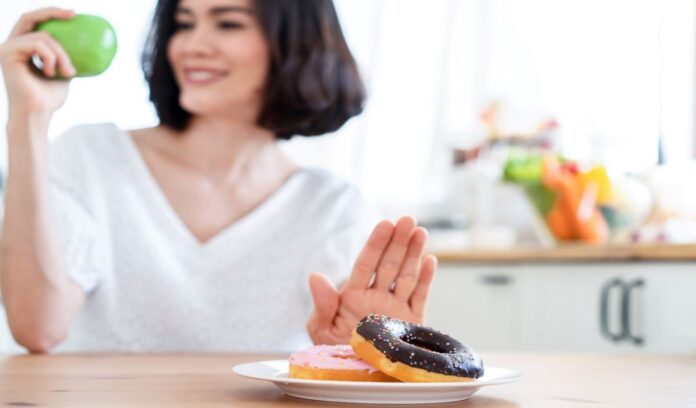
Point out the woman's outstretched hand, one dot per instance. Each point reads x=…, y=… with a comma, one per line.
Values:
x=390, y=277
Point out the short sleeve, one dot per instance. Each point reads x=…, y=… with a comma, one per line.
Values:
x=73, y=190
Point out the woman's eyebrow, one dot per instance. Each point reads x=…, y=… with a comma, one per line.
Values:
x=227, y=9
x=217, y=10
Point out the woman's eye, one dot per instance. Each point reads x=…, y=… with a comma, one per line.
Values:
x=184, y=26
x=229, y=25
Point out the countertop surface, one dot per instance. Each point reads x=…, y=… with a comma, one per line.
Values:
x=574, y=253
x=206, y=380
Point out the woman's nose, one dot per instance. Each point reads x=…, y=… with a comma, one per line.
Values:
x=198, y=42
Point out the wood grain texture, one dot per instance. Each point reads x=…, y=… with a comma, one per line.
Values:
x=206, y=380
x=581, y=253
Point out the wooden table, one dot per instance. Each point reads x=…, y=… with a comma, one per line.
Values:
x=206, y=380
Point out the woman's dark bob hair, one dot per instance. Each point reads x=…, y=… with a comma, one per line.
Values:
x=313, y=85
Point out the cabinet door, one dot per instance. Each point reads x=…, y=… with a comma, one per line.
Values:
x=656, y=304
x=478, y=305
x=562, y=307
x=669, y=308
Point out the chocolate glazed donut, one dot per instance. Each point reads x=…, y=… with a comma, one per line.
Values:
x=433, y=356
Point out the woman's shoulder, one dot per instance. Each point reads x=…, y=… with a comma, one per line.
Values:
x=323, y=178
x=327, y=185
x=88, y=131
x=93, y=137
x=326, y=194
x=88, y=147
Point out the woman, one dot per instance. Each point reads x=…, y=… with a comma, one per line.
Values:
x=198, y=234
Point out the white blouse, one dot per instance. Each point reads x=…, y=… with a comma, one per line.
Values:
x=152, y=286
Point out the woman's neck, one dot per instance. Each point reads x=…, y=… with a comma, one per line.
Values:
x=224, y=149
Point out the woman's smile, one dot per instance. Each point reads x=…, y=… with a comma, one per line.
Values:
x=202, y=75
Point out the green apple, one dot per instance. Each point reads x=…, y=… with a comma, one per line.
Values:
x=90, y=42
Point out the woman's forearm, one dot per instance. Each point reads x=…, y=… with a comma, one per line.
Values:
x=40, y=300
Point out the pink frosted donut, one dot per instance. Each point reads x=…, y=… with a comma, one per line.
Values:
x=334, y=363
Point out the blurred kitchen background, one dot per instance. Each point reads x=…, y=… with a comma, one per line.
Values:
x=548, y=146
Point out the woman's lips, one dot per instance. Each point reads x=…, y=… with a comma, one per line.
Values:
x=202, y=76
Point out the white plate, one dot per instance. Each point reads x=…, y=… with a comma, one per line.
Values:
x=276, y=371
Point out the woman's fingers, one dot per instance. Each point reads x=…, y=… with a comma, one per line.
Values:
x=367, y=261
x=27, y=23
x=325, y=298
x=420, y=294
x=326, y=302
x=393, y=258
x=63, y=63
x=53, y=57
x=37, y=44
x=408, y=276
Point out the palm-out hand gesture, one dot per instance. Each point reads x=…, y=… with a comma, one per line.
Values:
x=390, y=277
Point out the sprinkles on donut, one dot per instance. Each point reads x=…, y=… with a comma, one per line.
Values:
x=413, y=353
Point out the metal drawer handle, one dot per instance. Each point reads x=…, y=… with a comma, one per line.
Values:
x=626, y=311
x=604, y=311
x=496, y=280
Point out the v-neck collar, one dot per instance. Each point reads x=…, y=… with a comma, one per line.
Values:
x=247, y=223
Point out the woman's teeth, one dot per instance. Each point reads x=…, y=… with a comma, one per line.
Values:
x=202, y=76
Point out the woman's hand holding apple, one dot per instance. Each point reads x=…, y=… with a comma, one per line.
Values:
x=30, y=94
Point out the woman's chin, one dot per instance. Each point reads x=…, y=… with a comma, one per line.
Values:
x=204, y=108
x=201, y=107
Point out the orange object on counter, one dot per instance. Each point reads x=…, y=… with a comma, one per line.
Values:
x=557, y=220
x=574, y=214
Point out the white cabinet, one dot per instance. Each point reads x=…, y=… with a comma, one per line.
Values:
x=559, y=307
x=670, y=310
x=480, y=307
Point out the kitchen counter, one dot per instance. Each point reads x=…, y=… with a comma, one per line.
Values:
x=206, y=380
x=574, y=252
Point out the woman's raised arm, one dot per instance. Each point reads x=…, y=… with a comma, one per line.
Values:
x=40, y=299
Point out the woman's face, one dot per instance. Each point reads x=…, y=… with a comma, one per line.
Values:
x=220, y=58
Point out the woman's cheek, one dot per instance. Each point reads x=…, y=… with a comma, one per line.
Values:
x=173, y=50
